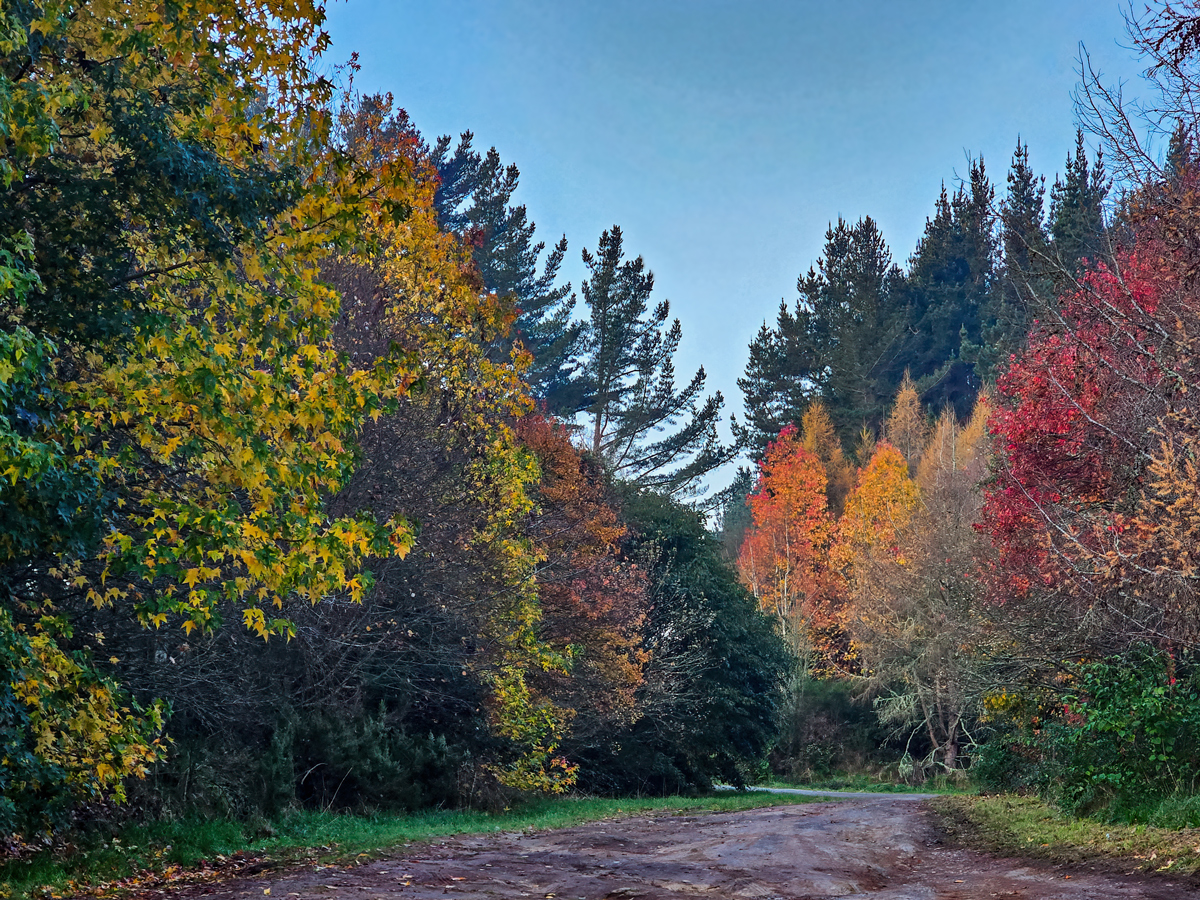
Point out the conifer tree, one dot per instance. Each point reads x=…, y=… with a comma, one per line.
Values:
x=1077, y=211
x=627, y=380
x=951, y=277
x=819, y=439
x=840, y=344
x=1023, y=287
x=474, y=199
x=906, y=427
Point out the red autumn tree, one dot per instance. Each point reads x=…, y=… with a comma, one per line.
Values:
x=1095, y=507
x=784, y=558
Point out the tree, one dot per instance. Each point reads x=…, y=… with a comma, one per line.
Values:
x=877, y=512
x=1025, y=266
x=174, y=416
x=839, y=345
x=821, y=440
x=917, y=617
x=784, y=558
x=1077, y=225
x=474, y=201
x=906, y=427
x=628, y=380
x=594, y=600
x=712, y=684
x=950, y=282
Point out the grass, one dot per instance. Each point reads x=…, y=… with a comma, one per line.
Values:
x=187, y=850
x=1025, y=826
x=866, y=783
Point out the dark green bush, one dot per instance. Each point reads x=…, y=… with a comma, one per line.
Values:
x=1123, y=741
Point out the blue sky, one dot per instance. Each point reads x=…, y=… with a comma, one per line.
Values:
x=723, y=137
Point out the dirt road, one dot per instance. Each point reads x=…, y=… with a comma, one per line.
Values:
x=881, y=847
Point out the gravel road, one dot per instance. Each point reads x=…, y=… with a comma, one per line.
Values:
x=882, y=847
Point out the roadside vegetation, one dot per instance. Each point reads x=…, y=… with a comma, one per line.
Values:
x=1027, y=827
x=330, y=514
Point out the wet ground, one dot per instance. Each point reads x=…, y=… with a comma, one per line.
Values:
x=880, y=847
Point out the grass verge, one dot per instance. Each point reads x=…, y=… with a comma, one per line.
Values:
x=1027, y=827
x=866, y=784
x=184, y=851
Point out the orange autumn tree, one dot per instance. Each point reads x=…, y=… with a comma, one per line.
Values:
x=783, y=559
x=593, y=599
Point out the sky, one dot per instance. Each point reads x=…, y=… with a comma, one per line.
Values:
x=724, y=137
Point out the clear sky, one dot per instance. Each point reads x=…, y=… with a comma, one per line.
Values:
x=724, y=136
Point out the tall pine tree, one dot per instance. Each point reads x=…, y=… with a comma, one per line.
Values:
x=1024, y=285
x=840, y=344
x=474, y=199
x=951, y=277
x=1077, y=224
x=644, y=428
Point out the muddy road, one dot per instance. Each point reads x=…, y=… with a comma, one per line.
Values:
x=881, y=847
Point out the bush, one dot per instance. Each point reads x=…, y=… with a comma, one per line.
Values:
x=1123, y=742
x=825, y=730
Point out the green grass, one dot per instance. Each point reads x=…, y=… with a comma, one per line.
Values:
x=179, y=850
x=1028, y=827
x=865, y=783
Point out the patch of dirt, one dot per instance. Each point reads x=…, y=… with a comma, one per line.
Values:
x=884, y=848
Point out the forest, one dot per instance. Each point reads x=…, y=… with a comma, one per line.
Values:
x=323, y=490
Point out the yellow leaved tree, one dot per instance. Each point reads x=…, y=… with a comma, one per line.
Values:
x=175, y=415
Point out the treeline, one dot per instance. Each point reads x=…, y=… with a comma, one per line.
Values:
x=975, y=491
x=293, y=509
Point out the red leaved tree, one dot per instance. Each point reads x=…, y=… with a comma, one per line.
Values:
x=1095, y=505
x=784, y=558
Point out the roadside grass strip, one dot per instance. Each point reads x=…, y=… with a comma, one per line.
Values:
x=1012, y=825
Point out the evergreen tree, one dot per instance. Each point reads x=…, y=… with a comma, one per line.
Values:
x=734, y=513
x=474, y=199
x=627, y=380
x=710, y=700
x=951, y=277
x=1024, y=287
x=1077, y=211
x=839, y=345
x=778, y=383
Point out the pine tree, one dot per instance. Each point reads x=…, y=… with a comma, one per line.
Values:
x=627, y=380
x=474, y=199
x=840, y=343
x=1077, y=223
x=1024, y=287
x=951, y=277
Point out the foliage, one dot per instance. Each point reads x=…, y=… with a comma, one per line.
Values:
x=473, y=200
x=1122, y=740
x=950, y=282
x=915, y=612
x=593, y=599
x=1090, y=506
x=176, y=417
x=628, y=380
x=711, y=695
x=784, y=558
x=68, y=733
x=840, y=344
